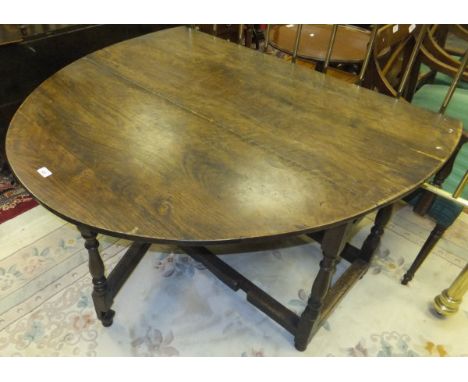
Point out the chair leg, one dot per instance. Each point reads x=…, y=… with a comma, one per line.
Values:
x=431, y=241
x=427, y=197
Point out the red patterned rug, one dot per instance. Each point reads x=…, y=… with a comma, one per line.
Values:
x=14, y=200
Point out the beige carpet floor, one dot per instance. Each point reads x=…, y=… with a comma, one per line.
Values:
x=172, y=306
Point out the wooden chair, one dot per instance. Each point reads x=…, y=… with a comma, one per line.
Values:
x=435, y=48
x=440, y=62
x=430, y=96
x=390, y=49
x=391, y=64
x=445, y=205
x=291, y=49
x=390, y=57
x=393, y=75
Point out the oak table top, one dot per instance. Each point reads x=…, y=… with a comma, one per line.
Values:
x=350, y=43
x=178, y=136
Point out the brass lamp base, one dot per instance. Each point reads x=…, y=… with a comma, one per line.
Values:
x=448, y=302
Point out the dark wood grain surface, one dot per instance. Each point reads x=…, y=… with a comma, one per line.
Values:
x=43, y=50
x=178, y=136
x=350, y=43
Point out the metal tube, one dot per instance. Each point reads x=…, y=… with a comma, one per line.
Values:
x=296, y=43
x=215, y=28
x=454, y=83
x=330, y=48
x=461, y=186
x=267, y=37
x=444, y=194
x=370, y=47
x=414, y=54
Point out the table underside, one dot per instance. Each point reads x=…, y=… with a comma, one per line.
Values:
x=323, y=298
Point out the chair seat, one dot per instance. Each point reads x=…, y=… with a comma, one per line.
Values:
x=443, y=211
x=431, y=97
x=443, y=79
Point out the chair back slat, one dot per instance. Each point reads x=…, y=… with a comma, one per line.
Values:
x=297, y=42
x=390, y=55
x=391, y=35
x=412, y=60
x=461, y=186
x=434, y=55
x=240, y=34
x=454, y=83
x=267, y=38
x=370, y=47
x=459, y=30
x=394, y=56
x=330, y=48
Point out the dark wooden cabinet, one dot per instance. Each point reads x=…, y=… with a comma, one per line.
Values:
x=29, y=54
x=226, y=31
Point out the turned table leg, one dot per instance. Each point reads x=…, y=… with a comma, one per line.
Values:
x=102, y=296
x=333, y=243
x=373, y=240
x=448, y=302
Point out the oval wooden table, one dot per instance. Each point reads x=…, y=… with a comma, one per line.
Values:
x=349, y=48
x=180, y=137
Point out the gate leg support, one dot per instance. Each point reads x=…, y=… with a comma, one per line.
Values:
x=333, y=243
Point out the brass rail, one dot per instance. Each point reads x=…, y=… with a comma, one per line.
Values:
x=445, y=194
